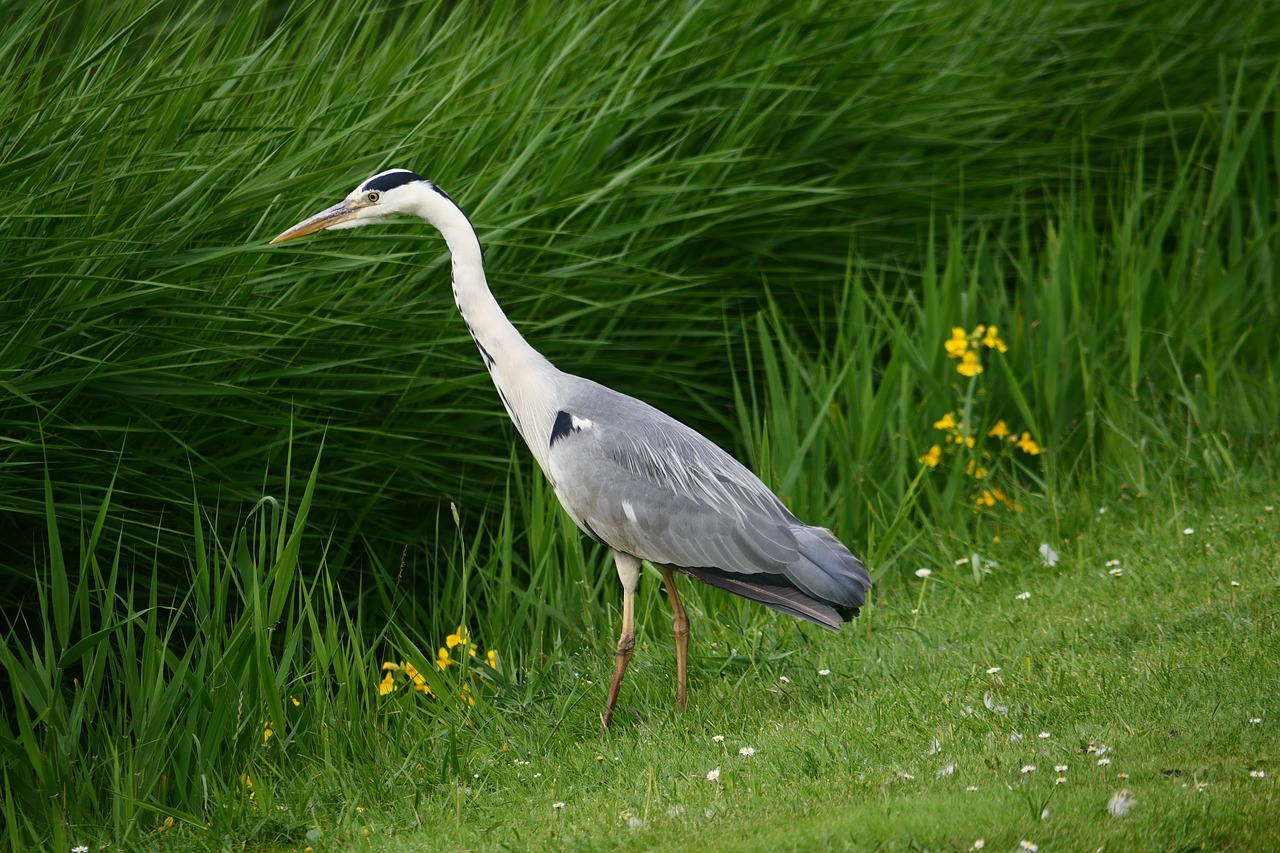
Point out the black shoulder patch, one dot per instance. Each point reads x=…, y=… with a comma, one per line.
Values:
x=390, y=180
x=562, y=427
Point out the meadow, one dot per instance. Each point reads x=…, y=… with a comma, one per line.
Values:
x=990, y=291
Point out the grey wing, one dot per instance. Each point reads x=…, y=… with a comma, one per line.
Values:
x=644, y=483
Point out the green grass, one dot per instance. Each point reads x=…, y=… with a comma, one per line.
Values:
x=1165, y=665
x=234, y=476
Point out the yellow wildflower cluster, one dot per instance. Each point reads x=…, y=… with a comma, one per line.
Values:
x=460, y=641
x=959, y=435
x=966, y=346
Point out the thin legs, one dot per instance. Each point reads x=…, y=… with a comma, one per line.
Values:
x=680, y=622
x=629, y=574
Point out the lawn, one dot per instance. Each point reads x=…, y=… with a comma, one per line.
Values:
x=989, y=291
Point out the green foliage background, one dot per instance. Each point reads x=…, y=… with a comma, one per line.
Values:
x=638, y=173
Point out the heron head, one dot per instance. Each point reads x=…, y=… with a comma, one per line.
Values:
x=395, y=192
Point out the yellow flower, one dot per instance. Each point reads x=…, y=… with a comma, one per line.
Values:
x=976, y=470
x=986, y=499
x=412, y=671
x=969, y=365
x=389, y=665
x=388, y=684
x=295, y=701
x=443, y=659
x=466, y=694
x=969, y=441
x=1028, y=445
x=1000, y=430
x=461, y=638
x=267, y=732
x=933, y=457
x=946, y=422
x=957, y=344
x=492, y=657
x=992, y=340
x=423, y=688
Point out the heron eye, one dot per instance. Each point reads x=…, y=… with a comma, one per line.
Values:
x=372, y=196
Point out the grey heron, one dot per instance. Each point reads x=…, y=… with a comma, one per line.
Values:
x=632, y=478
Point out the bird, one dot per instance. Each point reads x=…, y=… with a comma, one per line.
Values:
x=641, y=483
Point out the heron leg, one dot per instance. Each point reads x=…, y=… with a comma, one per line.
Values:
x=680, y=622
x=629, y=574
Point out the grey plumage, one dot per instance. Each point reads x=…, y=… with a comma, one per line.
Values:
x=631, y=477
x=644, y=483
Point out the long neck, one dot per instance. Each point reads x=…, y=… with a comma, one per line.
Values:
x=524, y=378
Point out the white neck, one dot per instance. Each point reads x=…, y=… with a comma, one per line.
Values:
x=524, y=378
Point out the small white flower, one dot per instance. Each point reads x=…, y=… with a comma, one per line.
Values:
x=1059, y=780
x=785, y=680
x=971, y=788
x=80, y=848
x=947, y=770
x=1023, y=596
x=906, y=776
x=1044, y=815
x=1120, y=804
x=1102, y=510
x=1187, y=531
x=1269, y=508
x=824, y=672
x=1048, y=556
x=979, y=844
x=718, y=738
x=558, y=804
x=963, y=561
x=1116, y=572
x=713, y=775
x=747, y=751
x=1060, y=768
x=992, y=670
x=1258, y=774
x=1235, y=583
x=1045, y=735
x=1111, y=563
x=1029, y=846
x=923, y=573
x=1255, y=720
x=1103, y=762
x=1028, y=768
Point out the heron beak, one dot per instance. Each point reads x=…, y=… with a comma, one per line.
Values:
x=327, y=218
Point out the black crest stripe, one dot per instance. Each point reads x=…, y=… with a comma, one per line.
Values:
x=390, y=181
